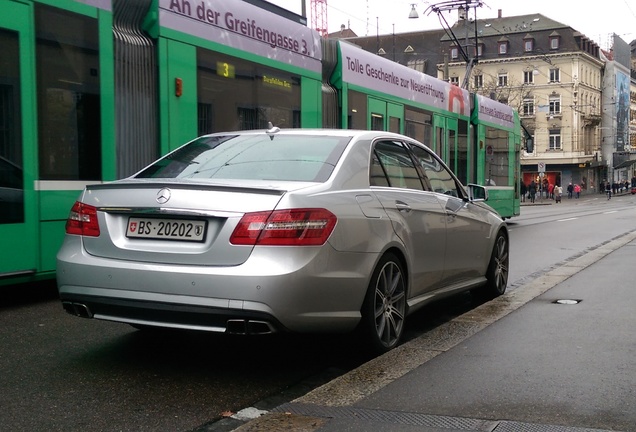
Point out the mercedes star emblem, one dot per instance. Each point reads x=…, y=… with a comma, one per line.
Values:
x=163, y=196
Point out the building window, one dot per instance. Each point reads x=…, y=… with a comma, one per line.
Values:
x=528, y=106
x=555, y=105
x=479, y=50
x=528, y=45
x=454, y=80
x=554, y=42
x=528, y=77
x=555, y=75
x=503, y=80
x=479, y=81
x=555, y=139
x=454, y=53
x=503, y=47
x=418, y=65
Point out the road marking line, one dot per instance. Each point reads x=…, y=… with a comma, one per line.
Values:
x=568, y=219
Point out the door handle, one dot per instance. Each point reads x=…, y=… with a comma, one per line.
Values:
x=403, y=207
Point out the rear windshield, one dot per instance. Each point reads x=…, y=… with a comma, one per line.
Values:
x=252, y=157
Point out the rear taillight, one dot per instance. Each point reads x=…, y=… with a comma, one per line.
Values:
x=295, y=227
x=83, y=220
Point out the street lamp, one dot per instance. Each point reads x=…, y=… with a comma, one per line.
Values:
x=413, y=13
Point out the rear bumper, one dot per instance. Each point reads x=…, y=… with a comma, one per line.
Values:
x=157, y=314
x=316, y=290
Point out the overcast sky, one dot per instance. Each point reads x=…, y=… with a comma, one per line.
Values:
x=596, y=19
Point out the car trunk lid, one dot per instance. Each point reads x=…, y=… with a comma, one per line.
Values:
x=183, y=222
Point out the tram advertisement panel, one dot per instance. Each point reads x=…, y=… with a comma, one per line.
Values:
x=374, y=72
x=240, y=25
x=494, y=112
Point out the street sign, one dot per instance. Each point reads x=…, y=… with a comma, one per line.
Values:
x=541, y=167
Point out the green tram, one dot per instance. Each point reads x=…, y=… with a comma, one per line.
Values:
x=479, y=138
x=94, y=90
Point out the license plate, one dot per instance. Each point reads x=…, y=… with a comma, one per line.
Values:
x=166, y=229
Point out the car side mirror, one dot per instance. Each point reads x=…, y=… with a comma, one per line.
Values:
x=477, y=193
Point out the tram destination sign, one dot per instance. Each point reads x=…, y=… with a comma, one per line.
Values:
x=240, y=25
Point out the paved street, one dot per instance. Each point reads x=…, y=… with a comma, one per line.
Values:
x=523, y=362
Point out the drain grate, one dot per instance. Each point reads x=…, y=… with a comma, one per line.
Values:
x=417, y=419
x=383, y=416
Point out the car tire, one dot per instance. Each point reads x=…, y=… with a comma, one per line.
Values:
x=497, y=274
x=384, y=308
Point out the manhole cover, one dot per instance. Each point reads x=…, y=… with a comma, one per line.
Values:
x=568, y=302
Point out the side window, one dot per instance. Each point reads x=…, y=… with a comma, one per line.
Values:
x=439, y=177
x=391, y=165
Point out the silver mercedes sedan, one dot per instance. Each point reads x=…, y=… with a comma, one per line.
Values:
x=296, y=230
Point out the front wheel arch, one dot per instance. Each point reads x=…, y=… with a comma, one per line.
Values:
x=498, y=266
x=385, y=304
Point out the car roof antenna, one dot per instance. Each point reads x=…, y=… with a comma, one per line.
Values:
x=271, y=130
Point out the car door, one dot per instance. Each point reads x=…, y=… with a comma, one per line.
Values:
x=468, y=226
x=416, y=214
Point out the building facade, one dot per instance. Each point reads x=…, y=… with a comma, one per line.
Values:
x=550, y=73
x=559, y=80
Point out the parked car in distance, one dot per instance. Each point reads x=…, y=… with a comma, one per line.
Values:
x=295, y=230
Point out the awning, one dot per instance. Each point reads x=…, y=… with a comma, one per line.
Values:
x=623, y=159
x=625, y=164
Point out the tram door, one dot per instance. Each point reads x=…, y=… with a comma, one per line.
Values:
x=385, y=116
x=445, y=140
x=18, y=215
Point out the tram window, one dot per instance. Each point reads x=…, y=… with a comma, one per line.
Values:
x=497, y=166
x=68, y=89
x=439, y=142
x=394, y=124
x=462, y=152
x=357, y=106
x=450, y=150
x=11, y=175
x=418, y=125
x=377, y=122
x=236, y=94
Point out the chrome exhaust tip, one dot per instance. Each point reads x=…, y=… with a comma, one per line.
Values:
x=77, y=309
x=248, y=327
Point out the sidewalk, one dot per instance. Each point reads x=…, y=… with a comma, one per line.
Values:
x=564, y=199
x=557, y=354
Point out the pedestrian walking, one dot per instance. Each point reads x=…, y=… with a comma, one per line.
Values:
x=570, y=190
x=532, y=189
x=608, y=190
x=524, y=191
x=558, y=192
x=577, y=191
